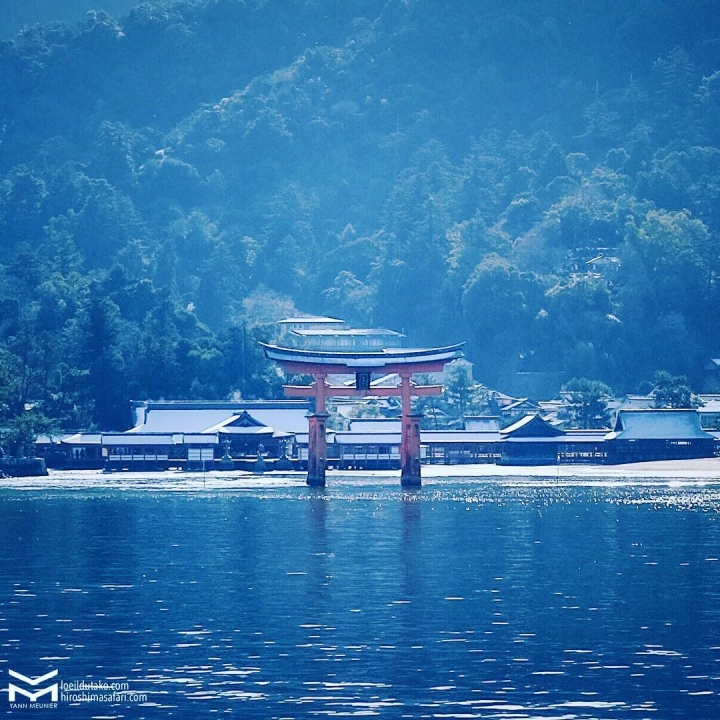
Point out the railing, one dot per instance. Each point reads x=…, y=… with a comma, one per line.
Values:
x=139, y=458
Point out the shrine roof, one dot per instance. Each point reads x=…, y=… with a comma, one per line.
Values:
x=314, y=319
x=348, y=332
x=359, y=361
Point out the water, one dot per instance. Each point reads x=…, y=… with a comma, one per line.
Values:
x=505, y=598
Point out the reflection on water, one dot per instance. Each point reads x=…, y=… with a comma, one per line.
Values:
x=465, y=599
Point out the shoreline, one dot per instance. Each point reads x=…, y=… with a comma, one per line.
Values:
x=703, y=471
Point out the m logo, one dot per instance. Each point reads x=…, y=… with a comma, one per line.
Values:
x=14, y=690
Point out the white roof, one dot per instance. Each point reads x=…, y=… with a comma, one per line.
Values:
x=356, y=438
x=83, y=439
x=283, y=420
x=710, y=406
x=347, y=332
x=658, y=425
x=311, y=319
x=371, y=425
x=457, y=436
x=182, y=421
x=142, y=439
x=482, y=423
x=283, y=416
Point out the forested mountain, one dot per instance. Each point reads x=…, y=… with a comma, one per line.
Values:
x=541, y=179
x=18, y=14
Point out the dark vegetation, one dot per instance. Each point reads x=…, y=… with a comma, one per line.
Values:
x=174, y=180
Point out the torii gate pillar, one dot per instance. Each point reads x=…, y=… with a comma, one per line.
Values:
x=410, y=438
x=317, y=449
x=317, y=442
x=320, y=364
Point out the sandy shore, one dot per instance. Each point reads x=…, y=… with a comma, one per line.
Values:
x=700, y=470
x=707, y=468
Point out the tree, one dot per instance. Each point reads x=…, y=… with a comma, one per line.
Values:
x=499, y=304
x=672, y=391
x=679, y=256
x=350, y=298
x=105, y=360
x=588, y=402
x=463, y=396
x=19, y=434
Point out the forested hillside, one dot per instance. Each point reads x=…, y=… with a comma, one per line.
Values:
x=18, y=14
x=174, y=180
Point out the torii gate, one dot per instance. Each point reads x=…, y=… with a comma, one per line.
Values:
x=363, y=365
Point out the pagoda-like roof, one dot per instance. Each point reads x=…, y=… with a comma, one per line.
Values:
x=386, y=361
x=531, y=426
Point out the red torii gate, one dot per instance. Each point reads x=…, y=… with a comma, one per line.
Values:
x=363, y=365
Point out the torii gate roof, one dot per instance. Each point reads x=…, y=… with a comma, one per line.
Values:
x=389, y=360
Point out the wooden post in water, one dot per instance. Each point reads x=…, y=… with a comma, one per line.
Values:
x=317, y=441
x=410, y=438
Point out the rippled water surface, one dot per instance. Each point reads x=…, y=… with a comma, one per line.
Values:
x=466, y=599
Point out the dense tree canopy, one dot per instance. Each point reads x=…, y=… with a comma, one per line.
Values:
x=541, y=179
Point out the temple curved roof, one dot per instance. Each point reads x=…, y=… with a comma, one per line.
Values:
x=386, y=360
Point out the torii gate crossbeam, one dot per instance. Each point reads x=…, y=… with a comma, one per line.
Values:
x=363, y=365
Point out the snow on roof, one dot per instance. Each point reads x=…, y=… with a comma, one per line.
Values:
x=181, y=421
x=638, y=402
x=712, y=405
x=320, y=320
x=185, y=417
x=519, y=403
x=82, y=439
x=368, y=438
x=375, y=425
x=347, y=332
x=531, y=426
x=292, y=420
x=253, y=430
x=143, y=439
x=458, y=436
x=482, y=423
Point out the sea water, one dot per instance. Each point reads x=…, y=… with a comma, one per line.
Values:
x=469, y=598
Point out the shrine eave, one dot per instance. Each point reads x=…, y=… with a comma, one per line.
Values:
x=389, y=360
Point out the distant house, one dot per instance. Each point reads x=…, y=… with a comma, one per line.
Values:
x=711, y=380
x=603, y=264
x=709, y=412
x=638, y=402
x=518, y=409
x=642, y=435
x=481, y=423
